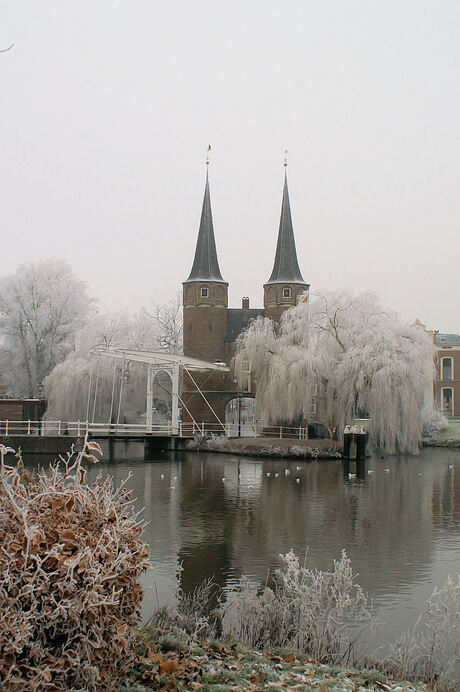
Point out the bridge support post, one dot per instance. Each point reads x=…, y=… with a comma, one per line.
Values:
x=149, y=407
x=175, y=398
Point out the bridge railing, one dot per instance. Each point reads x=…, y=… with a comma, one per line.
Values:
x=252, y=429
x=282, y=432
x=140, y=429
x=184, y=429
x=42, y=427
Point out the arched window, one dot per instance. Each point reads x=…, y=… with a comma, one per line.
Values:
x=447, y=401
x=286, y=292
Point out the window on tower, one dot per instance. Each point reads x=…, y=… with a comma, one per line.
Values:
x=286, y=292
x=204, y=292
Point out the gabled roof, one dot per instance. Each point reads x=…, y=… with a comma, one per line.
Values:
x=286, y=267
x=205, y=265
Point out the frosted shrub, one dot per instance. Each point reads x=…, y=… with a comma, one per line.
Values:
x=257, y=618
x=431, y=651
x=433, y=423
x=195, y=612
x=320, y=613
x=71, y=555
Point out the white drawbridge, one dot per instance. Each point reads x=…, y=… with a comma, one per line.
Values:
x=161, y=362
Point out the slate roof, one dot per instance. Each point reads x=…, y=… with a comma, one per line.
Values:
x=286, y=267
x=238, y=319
x=205, y=265
x=447, y=339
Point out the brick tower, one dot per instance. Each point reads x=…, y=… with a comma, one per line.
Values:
x=205, y=296
x=286, y=283
x=205, y=301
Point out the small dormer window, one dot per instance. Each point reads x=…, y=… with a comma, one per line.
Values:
x=204, y=292
x=286, y=292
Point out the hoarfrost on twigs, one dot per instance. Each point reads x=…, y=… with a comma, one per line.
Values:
x=344, y=354
x=70, y=561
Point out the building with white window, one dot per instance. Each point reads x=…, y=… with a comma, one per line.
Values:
x=447, y=380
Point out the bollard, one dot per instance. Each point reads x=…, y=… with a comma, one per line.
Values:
x=354, y=442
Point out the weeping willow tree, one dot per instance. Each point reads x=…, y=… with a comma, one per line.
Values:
x=344, y=354
x=103, y=389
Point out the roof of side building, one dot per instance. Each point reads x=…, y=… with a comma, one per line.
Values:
x=447, y=339
x=238, y=320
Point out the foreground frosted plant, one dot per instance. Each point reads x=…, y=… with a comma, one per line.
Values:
x=431, y=650
x=324, y=614
x=346, y=354
x=70, y=560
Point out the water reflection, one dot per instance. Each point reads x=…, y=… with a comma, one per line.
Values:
x=223, y=516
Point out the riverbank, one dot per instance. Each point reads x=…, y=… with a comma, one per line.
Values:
x=165, y=661
x=269, y=447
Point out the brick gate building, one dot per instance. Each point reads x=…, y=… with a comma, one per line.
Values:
x=211, y=327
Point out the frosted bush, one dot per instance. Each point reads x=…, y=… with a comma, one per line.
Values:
x=321, y=613
x=70, y=560
x=195, y=613
x=433, y=423
x=431, y=651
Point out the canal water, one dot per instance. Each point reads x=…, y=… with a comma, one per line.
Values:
x=224, y=516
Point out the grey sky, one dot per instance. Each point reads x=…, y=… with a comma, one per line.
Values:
x=107, y=108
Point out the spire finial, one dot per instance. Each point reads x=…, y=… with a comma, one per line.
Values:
x=207, y=154
x=285, y=158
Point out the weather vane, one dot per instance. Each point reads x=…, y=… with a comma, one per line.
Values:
x=285, y=157
x=207, y=154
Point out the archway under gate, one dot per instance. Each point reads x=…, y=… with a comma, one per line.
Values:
x=240, y=417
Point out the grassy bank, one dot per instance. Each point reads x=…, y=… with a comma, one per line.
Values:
x=165, y=660
x=269, y=447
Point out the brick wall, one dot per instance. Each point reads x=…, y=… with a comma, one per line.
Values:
x=452, y=383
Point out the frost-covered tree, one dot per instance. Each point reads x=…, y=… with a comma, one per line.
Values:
x=347, y=354
x=42, y=306
x=83, y=387
x=168, y=320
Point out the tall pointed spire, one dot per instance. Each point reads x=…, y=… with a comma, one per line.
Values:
x=205, y=265
x=286, y=267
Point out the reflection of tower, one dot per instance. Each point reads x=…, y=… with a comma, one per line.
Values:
x=207, y=531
